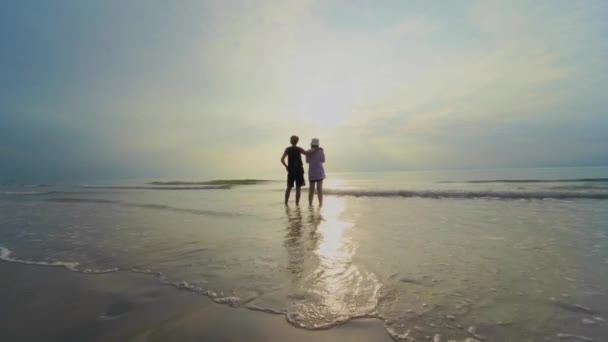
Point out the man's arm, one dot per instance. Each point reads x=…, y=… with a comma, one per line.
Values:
x=283, y=159
x=309, y=152
x=306, y=154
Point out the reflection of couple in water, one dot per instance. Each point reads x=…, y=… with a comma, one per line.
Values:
x=315, y=157
x=299, y=245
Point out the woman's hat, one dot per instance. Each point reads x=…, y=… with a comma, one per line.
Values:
x=314, y=142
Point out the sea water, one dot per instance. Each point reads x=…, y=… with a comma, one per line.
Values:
x=500, y=255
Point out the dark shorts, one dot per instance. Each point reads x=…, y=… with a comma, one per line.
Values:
x=295, y=177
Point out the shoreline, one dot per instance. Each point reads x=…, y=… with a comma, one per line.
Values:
x=56, y=304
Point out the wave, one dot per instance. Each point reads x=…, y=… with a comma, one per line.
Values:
x=399, y=333
x=24, y=185
x=580, y=187
x=576, y=180
x=39, y=193
x=146, y=206
x=161, y=278
x=449, y=194
x=27, y=193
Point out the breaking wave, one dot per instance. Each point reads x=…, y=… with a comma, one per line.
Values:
x=464, y=194
x=576, y=180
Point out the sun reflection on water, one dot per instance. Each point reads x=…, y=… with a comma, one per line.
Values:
x=333, y=183
x=334, y=287
x=335, y=255
x=333, y=248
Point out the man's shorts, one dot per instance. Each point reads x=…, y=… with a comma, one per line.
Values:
x=295, y=177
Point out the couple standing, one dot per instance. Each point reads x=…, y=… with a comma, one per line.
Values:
x=315, y=157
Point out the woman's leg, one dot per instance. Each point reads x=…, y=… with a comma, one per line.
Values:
x=311, y=192
x=320, y=192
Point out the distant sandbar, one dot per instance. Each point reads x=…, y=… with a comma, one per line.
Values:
x=212, y=182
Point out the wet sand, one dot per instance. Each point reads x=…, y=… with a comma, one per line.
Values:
x=53, y=304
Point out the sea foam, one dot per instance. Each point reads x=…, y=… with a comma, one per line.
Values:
x=5, y=255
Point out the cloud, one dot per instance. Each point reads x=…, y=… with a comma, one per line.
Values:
x=470, y=97
x=204, y=89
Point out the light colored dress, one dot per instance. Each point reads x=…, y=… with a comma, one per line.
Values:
x=315, y=165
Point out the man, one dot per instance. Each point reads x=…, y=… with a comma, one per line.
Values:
x=294, y=167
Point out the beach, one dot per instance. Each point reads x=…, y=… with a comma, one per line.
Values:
x=148, y=150
x=505, y=255
x=49, y=304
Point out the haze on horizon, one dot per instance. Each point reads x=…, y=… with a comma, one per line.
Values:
x=201, y=89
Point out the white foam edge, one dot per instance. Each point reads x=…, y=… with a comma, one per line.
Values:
x=265, y=309
x=328, y=325
x=5, y=255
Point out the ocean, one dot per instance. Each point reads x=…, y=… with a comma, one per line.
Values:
x=495, y=255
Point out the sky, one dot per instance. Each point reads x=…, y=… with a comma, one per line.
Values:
x=214, y=89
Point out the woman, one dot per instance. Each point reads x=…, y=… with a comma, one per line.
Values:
x=315, y=157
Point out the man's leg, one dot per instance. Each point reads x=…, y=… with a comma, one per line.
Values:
x=290, y=182
x=298, y=195
x=311, y=192
x=287, y=192
x=320, y=192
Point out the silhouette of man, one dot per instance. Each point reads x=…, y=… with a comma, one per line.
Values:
x=294, y=167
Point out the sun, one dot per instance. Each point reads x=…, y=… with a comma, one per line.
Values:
x=323, y=108
x=320, y=98
x=326, y=114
